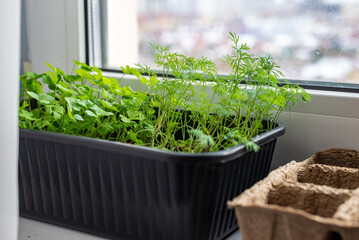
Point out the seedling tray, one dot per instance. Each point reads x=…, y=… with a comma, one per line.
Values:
x=316, y=199
x=123, y=191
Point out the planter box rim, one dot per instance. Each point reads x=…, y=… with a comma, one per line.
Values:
x=159, y=154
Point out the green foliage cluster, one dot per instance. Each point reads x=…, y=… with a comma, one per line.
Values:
x=188, y=106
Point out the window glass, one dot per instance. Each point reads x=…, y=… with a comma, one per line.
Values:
x=309, y=39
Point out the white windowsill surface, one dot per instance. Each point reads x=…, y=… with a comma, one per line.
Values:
x=35, y=230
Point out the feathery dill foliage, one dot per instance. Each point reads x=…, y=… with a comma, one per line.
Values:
x=188, y=106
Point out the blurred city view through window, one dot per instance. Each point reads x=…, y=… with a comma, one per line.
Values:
x=310, y=39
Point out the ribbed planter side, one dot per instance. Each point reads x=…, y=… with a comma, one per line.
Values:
x=90, y=185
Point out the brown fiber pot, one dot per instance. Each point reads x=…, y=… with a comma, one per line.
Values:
x=317, y=199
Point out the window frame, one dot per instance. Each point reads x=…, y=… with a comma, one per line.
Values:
x=306, y=84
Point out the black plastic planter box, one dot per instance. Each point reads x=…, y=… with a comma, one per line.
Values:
x=122, y=191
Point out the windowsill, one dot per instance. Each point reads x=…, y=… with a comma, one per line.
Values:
x=35, y=230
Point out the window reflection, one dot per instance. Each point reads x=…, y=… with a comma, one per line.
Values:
x=309, y=39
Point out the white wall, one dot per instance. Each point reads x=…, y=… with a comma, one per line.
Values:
x=331, y=120
x=55, y=33
x=9, y=88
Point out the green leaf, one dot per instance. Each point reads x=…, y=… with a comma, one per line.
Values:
x=43, y=124
x=133, y=137
x=57, y=115
x=141, y=97
x=50, y=66
x=47, y=80
x=203, y=139
x=153, y=81
x=33, y=95
x=240, y=95
x=144, y=80
x=78, y=117
x=63, y=87
x=128, y=91
x=106, y=94
x=135, y=72
x=69, y=111
x=108, y=105
x=100, y=112
x=106, y=81
x=23, y=78
x=62, y=73
x=38, y=87
x=32, y=75
x=135, y=115
x=89, y=103
x=126, y=70
x=45, y=98
x=90, y=113
x=53, y=77
x=81, y=102
x=125, y=119
x=107, y=127
x=252, y=146
x=48, y=109
x=82, y=65
x=84, y=74
x=94, y=68
x=72, y=104
x=73, y=78
x=59, y=109
x=77, y=62
x=27, y=115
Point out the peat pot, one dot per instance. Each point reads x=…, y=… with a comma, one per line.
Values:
x=123, y=191
x=315, y=199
